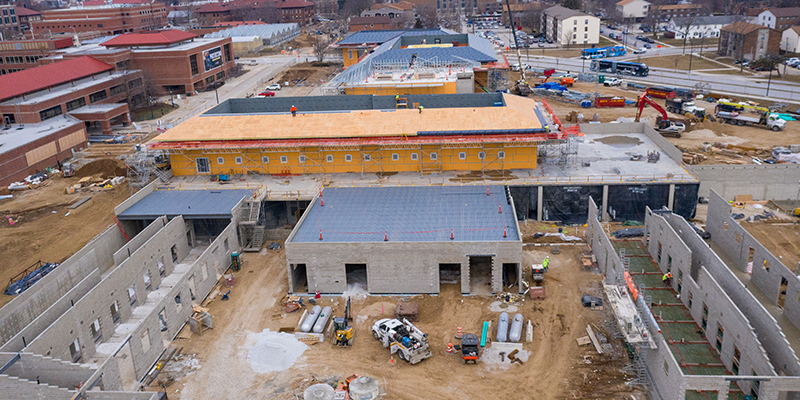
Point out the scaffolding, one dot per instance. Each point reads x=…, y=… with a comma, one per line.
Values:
x=142, y=166
x=251, y=226
x=558, y=152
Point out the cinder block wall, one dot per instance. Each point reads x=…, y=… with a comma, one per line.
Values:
x=24, y=389
x=396, y=267
x=781, y=355
x=664, y=372
x=27, y=306
x=137, y=241
x=104, y=395
x=768, y=270
x=763, y=182
x=47, y=370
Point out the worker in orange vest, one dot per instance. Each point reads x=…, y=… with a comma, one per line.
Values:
x=293, y=110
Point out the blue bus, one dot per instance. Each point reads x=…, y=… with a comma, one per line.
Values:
x=620, y=67
x=603, y=52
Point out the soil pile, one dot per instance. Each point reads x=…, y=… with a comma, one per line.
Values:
x=106, y=168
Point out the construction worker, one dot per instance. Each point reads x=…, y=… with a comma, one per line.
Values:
x=667, y=278
x=293, y=110
x=420, y=109
x=397, y=98
x=545, y=263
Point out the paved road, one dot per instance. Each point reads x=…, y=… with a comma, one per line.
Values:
x=729, y=84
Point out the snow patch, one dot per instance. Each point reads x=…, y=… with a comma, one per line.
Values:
x=274, y=351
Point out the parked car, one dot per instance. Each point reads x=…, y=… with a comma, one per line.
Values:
x=601, y=30
x=515, y=67
x=266, y=94
x=648, y=46
x=274, y=86
x=541, y=44
x=612, y=82
x=640, y=51
x=642, y=38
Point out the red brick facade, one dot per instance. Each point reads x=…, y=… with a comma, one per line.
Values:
x=109, y=20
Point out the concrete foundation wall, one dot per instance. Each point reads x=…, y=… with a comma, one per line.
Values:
x=27, y=306
x=768, y=270
x=664, y=372
x=607, y=258
x=396, y=267
x=763, y=182
x=637, y=127
x=138, y=240
x=142, y=193
x=104, y=395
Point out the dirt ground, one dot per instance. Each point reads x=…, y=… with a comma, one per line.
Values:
x=781, y=239
x=303, y=77
x=43, y=231
x=577, y=372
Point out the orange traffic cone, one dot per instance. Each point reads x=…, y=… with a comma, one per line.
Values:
x=449, y=349
x=459, y=335
x=391, y=360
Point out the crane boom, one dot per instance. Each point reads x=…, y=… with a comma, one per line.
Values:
x=644, y=99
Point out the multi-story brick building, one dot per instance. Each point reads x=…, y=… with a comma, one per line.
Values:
x=27, y=16
x=270, y=11
x=664, y=13
x=300, y=12
x=112, y=19
x=172, y=61
x=16, y=55
x=779, y=18
x=9, y=23
x=743, y=40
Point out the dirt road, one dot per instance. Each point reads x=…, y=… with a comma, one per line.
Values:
x=556, y=367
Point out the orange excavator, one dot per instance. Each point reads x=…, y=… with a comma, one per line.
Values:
x=664, y=125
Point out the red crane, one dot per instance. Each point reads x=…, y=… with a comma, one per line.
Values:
x=664, y=125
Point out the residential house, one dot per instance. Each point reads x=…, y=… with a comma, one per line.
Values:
x=790, y=40
x=698, y=27
x=667, y=12
x=633, y=10
x=743, y=40
x=780, y=18
x=565, y=26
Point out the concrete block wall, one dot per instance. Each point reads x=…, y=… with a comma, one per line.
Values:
x=33, y=367
x=76, y=322
x=138, y=240
x=607, y=258
x=664, y=372
x=136, y=197
x=781, y=355
x=45, y=319
x=763, y=182
x=397, y=267
x=104, y=395
x=768, y=270
x=22, y=389
x=26, y=307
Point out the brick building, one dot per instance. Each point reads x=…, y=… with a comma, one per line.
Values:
x=16, y=55
x=743, y=40
x=55, y=105
x=107, y=20
x=270, y=11
x=9, y=23
x=171, y=61
x=374, y=23
x=27, y=16
x=779, y=18
x=664, y=13
x=76, y=87
x=298, y=11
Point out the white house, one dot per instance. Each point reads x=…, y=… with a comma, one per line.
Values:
x=565, y=26
x=790, y=40
x=780, y=18
x=633, y=9
x=699, y=27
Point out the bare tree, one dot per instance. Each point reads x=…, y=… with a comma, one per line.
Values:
x=320, y=46
x=568, y=38
x=572, y=4
x=355, y=7
x=685, y=25
x=532, y=19
x=426, y=17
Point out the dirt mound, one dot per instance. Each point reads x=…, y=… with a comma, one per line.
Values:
x=105, y=167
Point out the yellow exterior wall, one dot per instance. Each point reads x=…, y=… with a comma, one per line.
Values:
x=392, y=89
x=350, y=56
x=380, y=160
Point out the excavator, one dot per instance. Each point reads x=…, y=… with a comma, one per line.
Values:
x=343, y=333
x=664, y=125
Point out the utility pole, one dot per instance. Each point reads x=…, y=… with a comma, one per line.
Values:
x=516, y=42
x=771, y=67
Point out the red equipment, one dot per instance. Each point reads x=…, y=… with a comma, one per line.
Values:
x=643, y=99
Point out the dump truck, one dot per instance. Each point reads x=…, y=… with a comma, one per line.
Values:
x=403, y=338
x=771, y=121
x=678, y=105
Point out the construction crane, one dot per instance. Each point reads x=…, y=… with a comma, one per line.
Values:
x=663, y=125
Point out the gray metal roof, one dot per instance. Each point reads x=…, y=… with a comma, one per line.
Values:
x=382, y=36
x=706, y=20
x=441, y=54
x=562, y=12
x=321, y=104
x=265, y=31
x=191, y=204
x=409, y=214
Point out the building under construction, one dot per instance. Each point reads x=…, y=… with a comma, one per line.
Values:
x=419, y=62
x=725, y=326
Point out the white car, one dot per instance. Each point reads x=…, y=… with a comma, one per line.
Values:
x=515, y=67
x=640, y=51
x=612, y=82
x=274, y=86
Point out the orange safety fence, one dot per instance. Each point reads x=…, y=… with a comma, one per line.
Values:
x=631, y=285
x=552, y=115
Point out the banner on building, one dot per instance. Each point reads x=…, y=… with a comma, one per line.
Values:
x=212, y=58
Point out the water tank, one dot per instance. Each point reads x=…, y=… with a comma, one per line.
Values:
x=308, y=323
x=319, y=391
x=502, y=328
x=515, y=333
x=364, y=388
x=319, y=326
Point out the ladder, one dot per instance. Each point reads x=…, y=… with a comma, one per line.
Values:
x=258, y=237
x=161, y=175
x=255, y=209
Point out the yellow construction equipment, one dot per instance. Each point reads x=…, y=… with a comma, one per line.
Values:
x=342, y=332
